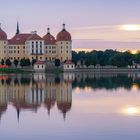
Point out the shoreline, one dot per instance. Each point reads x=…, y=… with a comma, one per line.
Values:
x=81, y=70
x=106, y=70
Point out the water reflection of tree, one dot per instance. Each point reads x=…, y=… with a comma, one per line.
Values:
x=25, y=81
x=137, y=81
x=104, y=82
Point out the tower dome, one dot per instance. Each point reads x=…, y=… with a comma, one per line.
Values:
x=3, y=35
x=49, y=39
x=64, y=35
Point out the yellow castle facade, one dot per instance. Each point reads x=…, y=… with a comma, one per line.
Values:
x=32, y=46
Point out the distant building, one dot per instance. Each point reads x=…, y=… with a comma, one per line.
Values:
x=68, y=66
x=40, y=66
x=32, y=46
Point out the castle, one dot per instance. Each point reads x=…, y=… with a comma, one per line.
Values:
x=32, y=46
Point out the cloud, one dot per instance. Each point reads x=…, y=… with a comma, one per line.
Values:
x=103, y=45
x=115, y=27
x=107, y=32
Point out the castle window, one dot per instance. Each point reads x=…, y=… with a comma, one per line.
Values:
x=53, y=47
x=53, y=51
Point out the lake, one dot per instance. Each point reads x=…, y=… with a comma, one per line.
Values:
x=70, y=106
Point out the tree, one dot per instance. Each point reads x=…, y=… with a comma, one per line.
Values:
x=136, y=58
x=57, y=62
x=27, y=62
x=22, y=62
x=128, y=56
x=16, y=62
x=8, y=62
x=33, y=62
x=2, y=62
x=87, y=63
x=118, y=60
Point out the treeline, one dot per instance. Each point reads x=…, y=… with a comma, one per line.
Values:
x=108, y=57
x=23, y=62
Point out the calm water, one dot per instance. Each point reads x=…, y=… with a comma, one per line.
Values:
x=70, y=107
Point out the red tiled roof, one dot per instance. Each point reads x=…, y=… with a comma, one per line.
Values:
x=69, y=62
x=34, y=37
x=3, y=108
x=64, y=106
x=24, y=105
x=49, y=39
x=3, y=35
x=63, y=36
x=19, y=39
x=40, y=62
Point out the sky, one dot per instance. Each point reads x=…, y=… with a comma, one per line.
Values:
x=93, y=24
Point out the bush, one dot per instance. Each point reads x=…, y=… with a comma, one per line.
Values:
x=57, y=62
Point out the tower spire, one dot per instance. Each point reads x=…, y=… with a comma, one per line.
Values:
x=64, y=25
x=18, y=112
x=48, y=30
x=17, y=32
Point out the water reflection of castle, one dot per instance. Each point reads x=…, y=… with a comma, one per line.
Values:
x=32, y=91
x=29, y=92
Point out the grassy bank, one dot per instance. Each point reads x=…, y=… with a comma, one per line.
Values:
x=12, y=70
